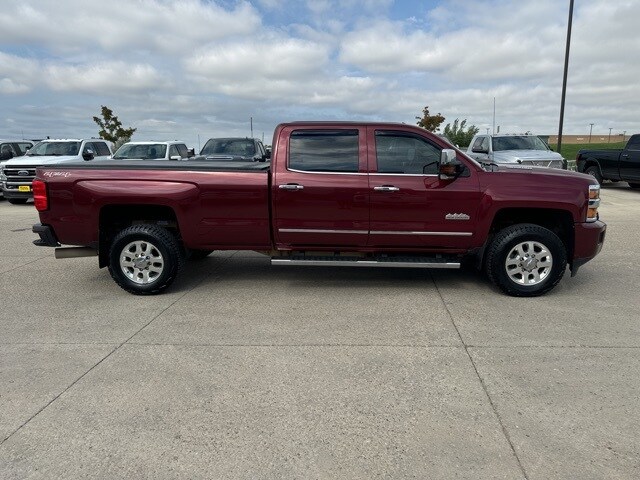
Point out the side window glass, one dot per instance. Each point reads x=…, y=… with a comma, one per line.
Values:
x=403, y=154
x=182, y=150
x=324, y=151
x=634, y=143
x=89, y=146
x=23, y=147
x=173, y=151
x=477, y=145
x=101, y=149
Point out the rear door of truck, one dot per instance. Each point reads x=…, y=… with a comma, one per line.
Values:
x=320, y=186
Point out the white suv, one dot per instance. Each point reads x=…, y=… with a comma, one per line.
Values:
x=19, y=172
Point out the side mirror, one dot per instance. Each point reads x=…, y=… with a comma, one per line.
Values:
x=480, y=150
x=267, y=154
x=88, y=154
x=450, y=168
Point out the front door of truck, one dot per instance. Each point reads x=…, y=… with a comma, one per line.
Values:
x=630, y=160
x=410, y=206
x=320, y=188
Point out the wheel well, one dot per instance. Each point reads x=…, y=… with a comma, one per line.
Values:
x=559, y=222
x=115, y=218
x=591, y=163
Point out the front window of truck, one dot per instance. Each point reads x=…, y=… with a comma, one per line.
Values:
x=518, y=142
x=55, y=149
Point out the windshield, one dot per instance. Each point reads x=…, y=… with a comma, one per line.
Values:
x=54, y=148
x=229, y=146
x=524, y=142
x=147, y=151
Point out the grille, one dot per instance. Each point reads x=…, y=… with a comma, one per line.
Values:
x=543, y=163
x=17, y=176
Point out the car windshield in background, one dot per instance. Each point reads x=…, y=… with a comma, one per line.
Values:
x=525, y=142
x=54, y=149
x=234, y=147
x=146, y=151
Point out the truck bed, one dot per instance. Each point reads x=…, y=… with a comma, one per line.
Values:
x=197, y=165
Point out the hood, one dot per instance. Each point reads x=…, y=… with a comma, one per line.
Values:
x=529, y=170
x=32, y=161
x=512, y=156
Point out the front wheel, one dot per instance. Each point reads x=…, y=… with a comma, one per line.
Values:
x=594, y=171
x=144, y=259
x=526, y=260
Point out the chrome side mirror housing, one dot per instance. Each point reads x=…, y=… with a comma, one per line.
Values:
x=449, y=168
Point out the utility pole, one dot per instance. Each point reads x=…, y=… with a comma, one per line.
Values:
x=610, y=134
x=493, y=128
x=251, y=120
x=590, y=130
x=564, y=79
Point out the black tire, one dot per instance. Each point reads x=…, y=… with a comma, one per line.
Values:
x=517, y=263
x=145, y=259
x=17, y=201
x=594, y=171
x=194, y=254
x=634, y=185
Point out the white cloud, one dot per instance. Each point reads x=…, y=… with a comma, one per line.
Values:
x=122, y=25
x=103, y=78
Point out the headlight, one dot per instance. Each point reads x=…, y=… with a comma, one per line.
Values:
x=594, y=203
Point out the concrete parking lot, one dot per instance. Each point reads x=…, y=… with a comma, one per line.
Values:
x=243, y=370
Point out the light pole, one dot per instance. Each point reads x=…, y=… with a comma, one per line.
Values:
x=624, y=136
x=590, y=130
x=564, y=77
x=610, y=134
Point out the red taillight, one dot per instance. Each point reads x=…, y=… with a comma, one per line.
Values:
x=40, y=195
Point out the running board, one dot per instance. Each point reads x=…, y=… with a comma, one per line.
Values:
x=386, y=262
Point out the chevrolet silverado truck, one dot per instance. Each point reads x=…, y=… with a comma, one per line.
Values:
x=525, y=150
x=334, y=193
x=621, y=164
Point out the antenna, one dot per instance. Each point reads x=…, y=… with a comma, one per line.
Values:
x=493, y=129
x=251, y=118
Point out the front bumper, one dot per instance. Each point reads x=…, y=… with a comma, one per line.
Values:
x=14, y=193
x=47, y=236
x=589, y=239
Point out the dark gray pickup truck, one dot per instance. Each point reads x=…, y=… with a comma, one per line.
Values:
x=613, y=164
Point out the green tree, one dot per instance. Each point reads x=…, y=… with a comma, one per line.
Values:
x=459, y=134
x=429, y=122
x=111, y=128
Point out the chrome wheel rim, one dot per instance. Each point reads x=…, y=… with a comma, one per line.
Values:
x=141, y=262
x=529, y=263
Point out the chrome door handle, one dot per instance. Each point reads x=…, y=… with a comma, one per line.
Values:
x=386, y=188
x=290, y=186
x=625, y=155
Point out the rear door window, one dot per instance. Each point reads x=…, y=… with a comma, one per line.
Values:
x=324, y=151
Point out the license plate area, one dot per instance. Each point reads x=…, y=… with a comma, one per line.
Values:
x=24, y=188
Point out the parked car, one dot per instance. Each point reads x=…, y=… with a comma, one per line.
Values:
x=8, y=150
x=235, y=149
x=334, y=194
x=173, y=150
x=18, y=173
x=525, y=150
x=616, y=164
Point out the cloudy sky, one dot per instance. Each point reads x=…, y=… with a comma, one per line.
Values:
x=193, y=69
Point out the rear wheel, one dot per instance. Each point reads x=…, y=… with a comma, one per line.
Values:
x=634, y=185
x=144, y=259
x=594, y=171
x=526, y=260
x=17, y=201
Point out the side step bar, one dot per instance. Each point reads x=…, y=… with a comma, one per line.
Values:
x=388, y=263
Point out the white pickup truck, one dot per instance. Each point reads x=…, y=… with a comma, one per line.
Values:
x=524, y=150
x=18, y=173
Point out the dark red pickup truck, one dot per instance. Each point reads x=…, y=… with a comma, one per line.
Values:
x=334, y=193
